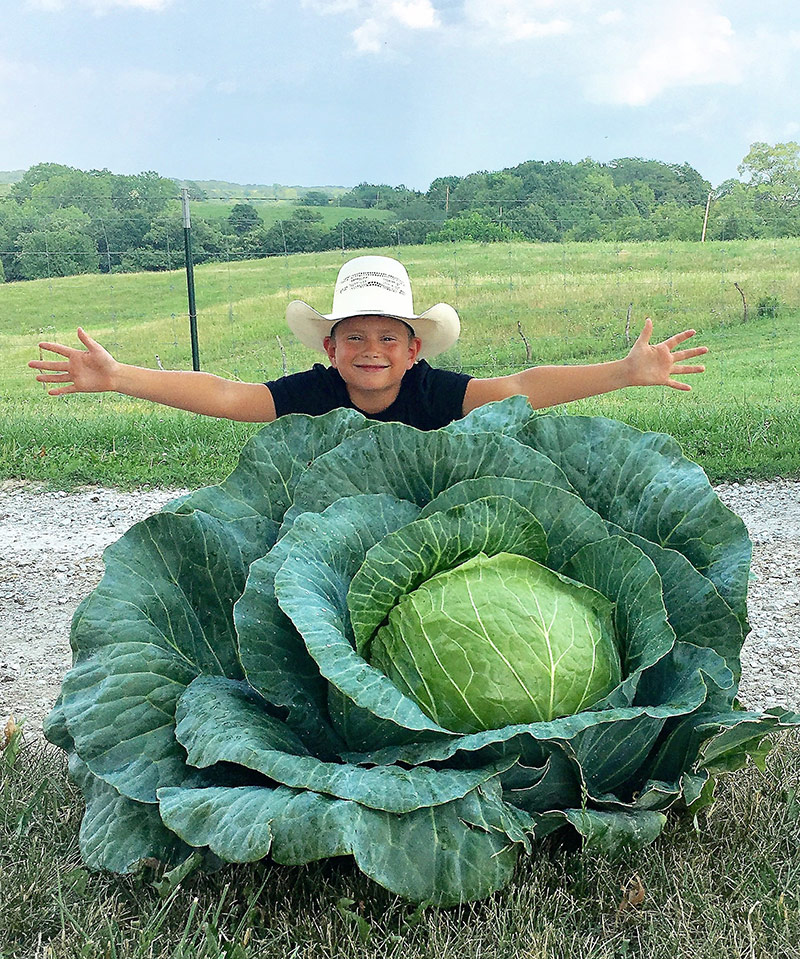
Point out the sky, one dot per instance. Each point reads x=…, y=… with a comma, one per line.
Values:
x=336, y=92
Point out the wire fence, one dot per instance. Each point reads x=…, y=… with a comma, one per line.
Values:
x=521, y=303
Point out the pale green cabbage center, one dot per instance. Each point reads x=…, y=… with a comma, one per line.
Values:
x=499, y=640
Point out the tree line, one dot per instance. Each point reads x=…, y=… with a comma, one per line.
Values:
x=59, y=221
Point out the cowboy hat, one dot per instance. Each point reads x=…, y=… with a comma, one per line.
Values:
x=375, y=286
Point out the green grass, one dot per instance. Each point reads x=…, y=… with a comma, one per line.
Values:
x=725, y=886
x=271, y=211
x=571, y=301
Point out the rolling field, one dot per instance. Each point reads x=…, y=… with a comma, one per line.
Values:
x=570, y=302
x=271, y=211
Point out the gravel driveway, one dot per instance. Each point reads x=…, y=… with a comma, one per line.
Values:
x=51, y=545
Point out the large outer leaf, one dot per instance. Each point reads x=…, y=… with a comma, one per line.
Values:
x=506, y=416
x=311, y=586
x=567, y=521
x=220, y=720
x=430, y=855
x=696, y=611
x=161, y=615
x=257, y=494
x=607, y=832
x=415, y=466
x=644, y=484
x=117, y=833
x=275, y=659
x=622, y=573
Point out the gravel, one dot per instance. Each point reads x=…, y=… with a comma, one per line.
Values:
x=51, y=546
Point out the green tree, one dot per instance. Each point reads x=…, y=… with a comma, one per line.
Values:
x=299, y=233
x=41, y=172
x=773, y=172
x=243, y=218
x=440, y=189
x=162, y=246
x=668, y=181
x=46, y=253
x=414, y=231
x=315, y=198
x=533, y=223
x=357, y=233
x=472, y=226
x=672, y=221
x=145, y=192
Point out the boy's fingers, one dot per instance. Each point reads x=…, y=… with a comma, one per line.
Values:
x=61, y=390
x=688, y=354
x=54, y=378
x=53, y=365
x=690, y=369
x=673, y=341
x=87, y=340
x=57, y=348
x=647, y=330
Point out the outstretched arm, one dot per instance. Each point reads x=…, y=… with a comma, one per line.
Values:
x=94, y=370
x=645, y=365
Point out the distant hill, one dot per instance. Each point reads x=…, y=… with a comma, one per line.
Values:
x=7, y=177
x=225, y=190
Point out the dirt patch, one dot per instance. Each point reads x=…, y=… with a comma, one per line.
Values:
x=51, y=546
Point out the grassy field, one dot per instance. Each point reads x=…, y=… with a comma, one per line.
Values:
x=570, y=301
x=726, y=886
x=271, y=211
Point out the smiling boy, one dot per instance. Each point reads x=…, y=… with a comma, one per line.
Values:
x=377, y=348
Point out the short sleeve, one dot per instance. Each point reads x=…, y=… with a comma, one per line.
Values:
x=315, y=391
x=440, y=396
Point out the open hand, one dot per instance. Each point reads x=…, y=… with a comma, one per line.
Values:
x=655, y=365
x=85, y=371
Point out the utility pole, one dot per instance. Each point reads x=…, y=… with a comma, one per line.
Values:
x=705, y=218
x=187, y=242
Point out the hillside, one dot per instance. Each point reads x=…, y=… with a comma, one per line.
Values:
x=227, y=190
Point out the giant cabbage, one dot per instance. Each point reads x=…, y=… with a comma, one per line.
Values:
x=423, y=650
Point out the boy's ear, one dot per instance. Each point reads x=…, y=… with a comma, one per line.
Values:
x=330, y=347
x=414, y=346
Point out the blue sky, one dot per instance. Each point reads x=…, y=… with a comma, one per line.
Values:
x=317, y=92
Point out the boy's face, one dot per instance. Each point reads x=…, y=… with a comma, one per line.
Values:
x=372, y=353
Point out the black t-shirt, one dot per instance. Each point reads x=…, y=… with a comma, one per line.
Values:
x=428, y=398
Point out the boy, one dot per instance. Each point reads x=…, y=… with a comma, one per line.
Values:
x=377, y=347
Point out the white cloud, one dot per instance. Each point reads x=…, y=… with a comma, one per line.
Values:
x=611, y=16
x=369, y=36
x=690, y=44
x=379, y=18
x=514, y=20
x=331, y=7
x=100, y=6
x=416, y=14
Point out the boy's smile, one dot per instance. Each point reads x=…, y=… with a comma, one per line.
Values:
x=372, y=354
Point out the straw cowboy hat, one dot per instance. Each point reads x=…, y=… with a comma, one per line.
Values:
x=375, y=286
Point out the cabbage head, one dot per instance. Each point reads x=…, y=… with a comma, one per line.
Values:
x=426, y=651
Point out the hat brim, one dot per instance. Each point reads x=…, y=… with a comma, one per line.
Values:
x=438, y=328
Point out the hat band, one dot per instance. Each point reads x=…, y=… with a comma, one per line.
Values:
x=372, y=291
